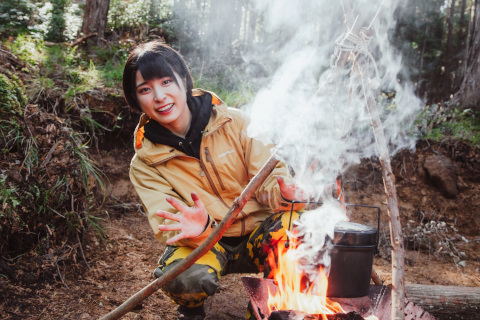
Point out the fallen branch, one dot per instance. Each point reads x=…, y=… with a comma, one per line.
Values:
x=217, y=233
x=446, y=302
x=80, y=40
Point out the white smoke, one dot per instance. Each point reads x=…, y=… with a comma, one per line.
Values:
x=306, y=111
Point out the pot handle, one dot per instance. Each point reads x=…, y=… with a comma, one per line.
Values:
x=378, y=220
x=343, y=203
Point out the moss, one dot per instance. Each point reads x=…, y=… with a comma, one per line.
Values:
x=12, y=94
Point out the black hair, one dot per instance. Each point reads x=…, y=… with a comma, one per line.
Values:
x=154, y=59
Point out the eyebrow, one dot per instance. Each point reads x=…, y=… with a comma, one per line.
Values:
x=141, y=84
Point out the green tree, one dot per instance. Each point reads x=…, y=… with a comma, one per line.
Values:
x=56, y=29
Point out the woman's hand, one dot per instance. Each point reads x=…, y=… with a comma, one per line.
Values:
x=290, y=191
x=191, y=220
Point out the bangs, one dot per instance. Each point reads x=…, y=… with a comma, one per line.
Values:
x=153, y=66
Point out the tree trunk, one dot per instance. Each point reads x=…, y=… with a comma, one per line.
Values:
x=468, y=94
x=448, y=53
x=462, y=27
x=95, y=17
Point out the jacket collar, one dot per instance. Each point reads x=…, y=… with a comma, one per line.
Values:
x=152, y=153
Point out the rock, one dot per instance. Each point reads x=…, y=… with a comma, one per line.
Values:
x=15, y=176
x=442, y=174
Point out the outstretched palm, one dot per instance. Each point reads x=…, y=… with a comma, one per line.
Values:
x=191, y=220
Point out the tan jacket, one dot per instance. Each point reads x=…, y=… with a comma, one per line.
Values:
x=229, y=159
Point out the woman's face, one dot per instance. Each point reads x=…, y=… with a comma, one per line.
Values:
x=165, y=101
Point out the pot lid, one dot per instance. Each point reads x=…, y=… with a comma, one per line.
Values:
x=354, y=234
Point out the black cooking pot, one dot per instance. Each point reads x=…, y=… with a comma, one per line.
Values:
x=354, y=245
x=351, y=264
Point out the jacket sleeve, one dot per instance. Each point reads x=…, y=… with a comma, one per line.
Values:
x=153, y=189
x=256, y=155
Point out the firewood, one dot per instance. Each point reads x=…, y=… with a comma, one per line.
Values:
x=446, y=302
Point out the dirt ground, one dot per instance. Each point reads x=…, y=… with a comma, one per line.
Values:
x=122, y=263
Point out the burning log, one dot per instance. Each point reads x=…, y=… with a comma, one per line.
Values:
x=377, y=303
x=288, y=314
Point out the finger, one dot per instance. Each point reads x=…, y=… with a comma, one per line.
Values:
x=283, y=186
x=196, y=200
x=170, y=227
x=179, y=236
x=177, y=205
x=168, y=215
x=281, y=183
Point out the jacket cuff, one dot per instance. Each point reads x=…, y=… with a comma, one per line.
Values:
x=287, y=206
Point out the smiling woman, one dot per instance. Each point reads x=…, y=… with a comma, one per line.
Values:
x=192, y=159
x=165, y=101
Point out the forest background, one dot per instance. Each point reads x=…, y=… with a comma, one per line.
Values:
x=61, y=102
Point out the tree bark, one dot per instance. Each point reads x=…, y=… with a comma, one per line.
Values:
x=469, y=95
x=448, y=53
x=95, y=17
x=446, y=302
x=462, y=27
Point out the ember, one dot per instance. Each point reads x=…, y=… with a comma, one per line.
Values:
x=288, y=315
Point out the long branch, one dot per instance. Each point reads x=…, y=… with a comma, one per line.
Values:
x=212, y=239
x=396, y=237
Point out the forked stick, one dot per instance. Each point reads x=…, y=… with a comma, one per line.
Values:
x=212, y=239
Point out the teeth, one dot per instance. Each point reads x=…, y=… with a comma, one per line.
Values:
x=168, y=106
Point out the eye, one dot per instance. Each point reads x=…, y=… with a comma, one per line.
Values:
x=143, y=90
x=167, y=81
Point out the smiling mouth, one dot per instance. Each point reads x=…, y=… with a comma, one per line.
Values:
x=165, y=108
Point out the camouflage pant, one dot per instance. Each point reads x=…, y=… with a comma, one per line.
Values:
x=199, y=281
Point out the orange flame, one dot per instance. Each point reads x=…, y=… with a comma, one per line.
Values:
x=289, y=296
x=291, y=293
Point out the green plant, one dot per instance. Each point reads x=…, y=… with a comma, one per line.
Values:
x=12, y=100
x=29, y=49
x=439, y=122
x=9, y=198
x=88, y=172
x=12, y=94
x=94, y=221
x=82, y=80
x=233, y=97
x=40, y=88
x=112, y=73
x=131, y=14
x=15, y=16
x=56, y=28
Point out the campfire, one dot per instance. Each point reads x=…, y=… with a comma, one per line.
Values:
x=292, y=285
x=296, y=297
x=338, y=287
x=289, y=295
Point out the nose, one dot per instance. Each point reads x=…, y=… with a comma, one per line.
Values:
x=159, y=94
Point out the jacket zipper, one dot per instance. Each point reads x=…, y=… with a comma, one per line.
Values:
x=212, y=185
x=210, y=159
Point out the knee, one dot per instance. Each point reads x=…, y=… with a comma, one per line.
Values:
x=198, y=280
